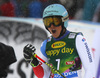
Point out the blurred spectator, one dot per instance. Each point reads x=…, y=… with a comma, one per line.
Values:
x=43, y=0
x=7, y=57
x=45, y=3
x=79, y=10
x=89, y=8
x=96, y=17
x=17, y=9
x=21, y=7
x=0, y=13
x=71, y=6
x=7, y=8
x=53, y=1
x=35, y=9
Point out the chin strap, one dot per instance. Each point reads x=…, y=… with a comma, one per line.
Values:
x=62, y=31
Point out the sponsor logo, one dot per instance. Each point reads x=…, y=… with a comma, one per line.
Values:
x=67, y=50
x=69, y=62
x=69, y=75
x=58, y=44
x=50, y=12
x=53, y=52
x=83, y=39
x=57, y=51
x=88, y=52
x=72, y=35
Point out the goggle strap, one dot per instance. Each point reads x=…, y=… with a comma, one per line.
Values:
x=65, y=18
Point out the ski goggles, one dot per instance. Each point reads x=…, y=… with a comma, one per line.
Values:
x=55, y=20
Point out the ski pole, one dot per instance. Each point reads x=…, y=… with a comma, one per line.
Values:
x=35, y=55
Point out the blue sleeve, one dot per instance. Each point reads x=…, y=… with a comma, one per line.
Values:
x=43, y=48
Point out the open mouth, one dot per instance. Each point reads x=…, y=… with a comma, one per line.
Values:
x=53, y=31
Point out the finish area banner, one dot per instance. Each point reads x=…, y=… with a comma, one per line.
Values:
x=18, y=32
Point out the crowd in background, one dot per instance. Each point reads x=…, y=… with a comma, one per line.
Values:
x=78, y=9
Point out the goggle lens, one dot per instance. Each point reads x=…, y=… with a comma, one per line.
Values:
x=52, y=20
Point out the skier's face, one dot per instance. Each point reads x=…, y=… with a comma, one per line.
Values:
x=55, y=30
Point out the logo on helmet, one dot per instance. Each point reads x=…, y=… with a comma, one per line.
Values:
x=50, y=12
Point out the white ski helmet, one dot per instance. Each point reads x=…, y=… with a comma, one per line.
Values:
x=57, y=10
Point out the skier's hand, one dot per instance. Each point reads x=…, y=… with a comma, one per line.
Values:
x=28, y=53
